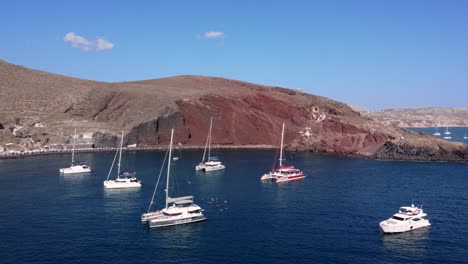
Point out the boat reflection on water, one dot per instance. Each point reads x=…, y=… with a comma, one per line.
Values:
x=121, y=201
x=407, y=244
x=211, y=174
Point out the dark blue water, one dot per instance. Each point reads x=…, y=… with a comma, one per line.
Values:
x=331, y=216
x=457, y=133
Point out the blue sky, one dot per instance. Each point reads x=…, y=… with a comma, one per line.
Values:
x=375, y=54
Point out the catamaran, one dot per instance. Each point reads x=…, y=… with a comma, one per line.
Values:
x=283, y=173
x=76, y=166
x=212, y=163
x=179, y=210
x=124, y=180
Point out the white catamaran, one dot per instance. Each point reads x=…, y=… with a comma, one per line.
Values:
x=179, y=210
x=76, y=166
x=212, y=163
x=124, y=180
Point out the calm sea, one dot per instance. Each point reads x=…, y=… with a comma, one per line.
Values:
x=456, y=133
x=331, y=216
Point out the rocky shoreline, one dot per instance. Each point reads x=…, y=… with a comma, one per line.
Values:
x=26, y=154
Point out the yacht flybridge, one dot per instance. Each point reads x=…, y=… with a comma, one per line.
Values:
x=76, y=166
x=212, y=163
x=283, y=173
x=408, y=218
x=178, y=210
x=123, y=180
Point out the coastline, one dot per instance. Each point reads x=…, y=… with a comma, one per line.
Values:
x=31, y=153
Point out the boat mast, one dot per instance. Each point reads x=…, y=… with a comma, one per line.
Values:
x=281, y=150
x=206, y=146
x=73, y=150
x=209, y=139
x=169, y=168
x=120, y=156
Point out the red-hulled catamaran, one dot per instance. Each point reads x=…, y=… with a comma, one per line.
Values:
x=283, y=173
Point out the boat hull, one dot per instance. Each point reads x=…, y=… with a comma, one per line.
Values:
x=209, y=168
x=388, y=228
x=214, y=168
x=146, y=217
x=75, y=169
x=290, y=178
x=158, y=223
x=121, y=185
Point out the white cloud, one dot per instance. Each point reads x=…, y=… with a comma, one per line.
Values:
x=213, y=34
x=103, y=44
x=80, y=42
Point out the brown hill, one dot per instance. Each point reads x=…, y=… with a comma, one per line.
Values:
x=421, y=117
x=43, y=109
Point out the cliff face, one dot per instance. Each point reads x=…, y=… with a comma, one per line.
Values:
x=243, y=113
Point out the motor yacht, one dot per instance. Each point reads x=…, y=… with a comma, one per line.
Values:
x=408, y=218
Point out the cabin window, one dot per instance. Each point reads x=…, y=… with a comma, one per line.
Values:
x=174, y=214
x=416, y=219
x=397, y=218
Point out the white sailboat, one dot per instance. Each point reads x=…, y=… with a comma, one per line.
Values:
x=447, y=134
x=465, y=137
x=124, y=180
x=212, y=163
x=437, y=133
x=283, y=173
x=178, y=210
x=76, y=167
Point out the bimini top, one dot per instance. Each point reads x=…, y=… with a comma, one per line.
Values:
x=183, y=202
x=177, y=199
x=288, y=169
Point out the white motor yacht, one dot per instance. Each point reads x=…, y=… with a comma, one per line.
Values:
x=408, y=218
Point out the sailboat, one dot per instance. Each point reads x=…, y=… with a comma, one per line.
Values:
x=124, y=180
x=437, y=133
x=465, y=137
x=212, y=163
x=447, y=134
x=75, y=167
x=178, y=210
x=283, y=173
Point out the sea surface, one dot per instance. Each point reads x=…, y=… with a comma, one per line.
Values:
x=331, y=216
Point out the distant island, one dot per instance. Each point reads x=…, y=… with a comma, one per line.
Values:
x=40, y=111
x=420, y=117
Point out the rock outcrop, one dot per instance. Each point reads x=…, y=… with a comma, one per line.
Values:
x=243, y=113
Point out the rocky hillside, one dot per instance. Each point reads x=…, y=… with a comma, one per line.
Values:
x=421, y=117
x=41, y=110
